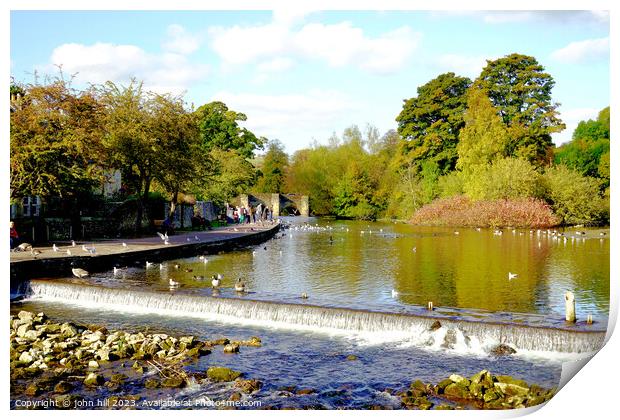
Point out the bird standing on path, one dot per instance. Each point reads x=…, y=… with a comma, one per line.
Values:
x=55, y=248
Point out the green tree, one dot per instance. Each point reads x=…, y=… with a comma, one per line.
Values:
x=233, y=174
x=430, y=123
x=506, y=178
x=219, y=128
x=484, y=138
x=520, y=89
x=55, y=142
x=273, y=169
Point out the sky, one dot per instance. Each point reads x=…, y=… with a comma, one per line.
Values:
x=300, y=76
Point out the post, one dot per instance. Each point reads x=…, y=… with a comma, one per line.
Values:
x=589, y=319
x=569, y=300
x=429, y=306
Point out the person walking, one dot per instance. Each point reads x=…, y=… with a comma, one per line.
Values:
x=14, y=235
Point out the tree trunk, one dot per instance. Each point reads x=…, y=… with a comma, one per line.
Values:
x=141, y=204
x=173, y=205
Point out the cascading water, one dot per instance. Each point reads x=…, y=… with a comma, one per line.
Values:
x=460, y=336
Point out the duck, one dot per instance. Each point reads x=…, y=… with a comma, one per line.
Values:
x=215, y=280
x=188, y=270
x=79, y=272
x=173, y=283
x=116, y=270
x=177, y=266
x=304, y=295
x=239, y=285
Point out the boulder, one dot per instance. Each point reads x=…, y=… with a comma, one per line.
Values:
x=63, y=387
x=459, y=380
x=502, y=350
x=512, y=389
x=457, y=390
x=352, y=357
x=151, y=383
x=248, y=385
x=173, y=383
x=231, y=348
x=510, y=380
x=26, y=357
x=222, y=374
x=435, y=326
x=23, y=329
x=449, y=340
x=68, y=329
x=93, y=379
x=93, y=364
x=32, y=390
x=25, y=315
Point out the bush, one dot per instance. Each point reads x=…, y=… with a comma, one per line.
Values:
x=450, y=185
x=462, y=211
x=507, y=178
x=575, y=198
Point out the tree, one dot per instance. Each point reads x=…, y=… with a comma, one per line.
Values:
x=507, y=178
x=484, y=138
x=55, y=141
x=219, y=128
x=430, y=123
x=181, y=164
x=520, y=89
x=129, y=139
x=273, y=169
x=233, y=174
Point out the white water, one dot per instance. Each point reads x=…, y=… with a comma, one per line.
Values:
x=473, y=338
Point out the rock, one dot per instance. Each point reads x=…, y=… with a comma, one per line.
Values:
x=118, y=377
x=25, y=315
x=457, y=390
x=235, y=396
x=64, y=402
x=511, y=389
x=231, y=348
x=23, y=329
x=222, y=374
x=63, y=387
x=93, y=379
x=435, y=326
x=306, y=391
x=220, y=342
x=443, y=384
x=68, y=329
x=248, y=385
x=33, y=335
x=93, y=364
x=449, y=340
x=105, y=354
x=459, y=380
x=491, y=395
x=204, y=350
x=502, y=350
x=151, y=383
x=510, y=380
x=351, y=357
x=32, y=390
x=26, y=357
x=173, y=383
x=418, y=389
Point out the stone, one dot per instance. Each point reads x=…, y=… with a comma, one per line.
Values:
x=511, y=389
x=248, y=385
x=93, y=379
x=459, y=380
x=491, y=395
x=26, y=357
x=435, y=326
x=502, y=350
x=118, y=377
x=220, y=342
x=25, y=315
x=23, y=329
x=443, y=384
x=457, y=390
x=306, y=391
x=173, y=383
x=68, y=329
x=32, y=390
x=449, y=340
x=151, y=383
x=351, y=357
x=222, y=374
x=231, y=348
x=93, y=364
x=510, y=380
x=63, y=387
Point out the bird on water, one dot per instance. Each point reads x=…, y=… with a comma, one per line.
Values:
x=512, y=275
x=79, y=272
x=215, y=280
x=239, y=285
x=173, y=283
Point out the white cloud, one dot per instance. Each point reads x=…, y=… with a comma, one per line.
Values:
x=583, y=51
x=571, y=118
x=100, y=62
x=338, y=45
x=596, y=17
x=180, y=41
x=462, y=65
x=291, y=117
x=277, y=64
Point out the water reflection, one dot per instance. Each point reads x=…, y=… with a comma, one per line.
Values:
x=363, y=262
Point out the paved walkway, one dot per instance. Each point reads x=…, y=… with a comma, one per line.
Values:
x=111, y=247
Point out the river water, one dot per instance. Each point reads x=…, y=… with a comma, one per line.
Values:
x=382, y=272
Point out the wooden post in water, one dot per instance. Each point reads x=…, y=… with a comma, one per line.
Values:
x=429, y=306
x=589, y=319
x=569, y=300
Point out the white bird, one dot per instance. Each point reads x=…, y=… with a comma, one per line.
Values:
x=161, y=266
x=394, y=293
x=304, y=295
x=55, y=248
x=73, y=243
x=201, y=257
x=239, y=285
x=163, y=236
x=124, y=245
x=166, y=242
x=148, y=264
x=116, y=270
x=173, y=283
x=196, y=237
x=215, y=281
x=512, y=275
x=79, y=272
x=415, y=249
x=187, y=239
x=68, y=252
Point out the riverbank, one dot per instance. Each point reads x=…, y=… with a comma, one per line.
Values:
x=72, y=366
x=102, y=255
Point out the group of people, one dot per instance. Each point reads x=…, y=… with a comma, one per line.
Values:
x=252, y=214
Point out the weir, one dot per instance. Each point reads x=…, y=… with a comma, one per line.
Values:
x=480, y=336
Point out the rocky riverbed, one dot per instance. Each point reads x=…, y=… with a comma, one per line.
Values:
x=62, y=365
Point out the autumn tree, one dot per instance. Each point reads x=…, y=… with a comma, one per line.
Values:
x=273, y=169
x=55, y=143
x=520, y=89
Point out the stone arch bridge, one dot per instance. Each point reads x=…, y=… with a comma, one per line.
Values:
x=281, y=204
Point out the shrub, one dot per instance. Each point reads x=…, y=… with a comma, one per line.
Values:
x=573, y=197
x=450, y=185
x=507, y=178
x=462, y=211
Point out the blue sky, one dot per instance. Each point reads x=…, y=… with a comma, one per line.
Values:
x=301, y=76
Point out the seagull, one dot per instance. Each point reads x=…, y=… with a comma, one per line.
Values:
x=163, y=236
x=239, y=285
x=73, y=243
x=166, y=242
x=187, y=239
x=148, y=264
x=415, y=249
x=173, y=283
x=68, y=252
x=55, y=248
x=512, y=275
x=161, y=266
x=177, y=266
x=201, y=257
x=79, y=272
x=124, y=244
x=198, y=278
x=304, y=295
x=215, y=281
x=394, y=293
x=116, y=270
x=196, y=237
